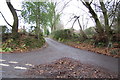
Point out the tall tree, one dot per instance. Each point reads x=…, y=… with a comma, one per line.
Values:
x=54, y=13
x=118, y=17
x=104, y=29
x=94, y=15
x=53, y=16
x=15, y=18
x=84, y=36
x=105, y=14
x=35, y=13
x=114, y=13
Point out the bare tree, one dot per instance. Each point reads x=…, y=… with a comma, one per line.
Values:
x=15, y=18
x=99, y=28
x=84, y=36
x=57, y=12
x=102, y=7
x=106, y=21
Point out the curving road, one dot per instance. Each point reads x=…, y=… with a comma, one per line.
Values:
x=14, y=64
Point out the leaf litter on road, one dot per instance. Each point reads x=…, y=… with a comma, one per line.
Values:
x=69, y=68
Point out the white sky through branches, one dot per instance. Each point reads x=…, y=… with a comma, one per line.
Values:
x=71, y=8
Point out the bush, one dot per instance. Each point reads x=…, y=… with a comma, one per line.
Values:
x=62, y=34
x=100, y=40
x=116, y=37
x=4, y=29
x=66, y=35
x=90, y=32
x=33, y=43
x=23, y=42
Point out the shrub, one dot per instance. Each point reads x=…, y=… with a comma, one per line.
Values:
x=90, y=32
x=100, y=40
x=23, y=42
x=4, y=29
x=62, y=34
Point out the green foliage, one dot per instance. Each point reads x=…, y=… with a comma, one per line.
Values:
x=52, y=16
x=4, y=29
x=75, y=35
x=24, y=42
x=36, y=13
x=100, y=40
x=6, y=50
x=88, y=41
x=115, y=52
x=47, y=32
x=5, y=47
x=62, y=34
x=90, y=32
x=42, y=14
x=33, y=43
x=65, y=35
x=100, y=44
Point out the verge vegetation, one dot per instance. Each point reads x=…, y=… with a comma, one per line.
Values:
x=94, y=43
x=25, y=42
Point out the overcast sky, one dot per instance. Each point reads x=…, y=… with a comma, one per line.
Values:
x=71, y=9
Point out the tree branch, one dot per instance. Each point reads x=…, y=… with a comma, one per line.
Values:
x=91, y=1
x=113, y=13
x=5, y=19
x=18, y=10
x=80, y=25
x=65, y=6
x=71, y=18
x=74, y=23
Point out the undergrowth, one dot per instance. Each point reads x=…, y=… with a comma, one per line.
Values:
x=23, y=43
x=97, y=41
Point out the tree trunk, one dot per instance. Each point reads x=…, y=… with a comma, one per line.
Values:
x=73, y=23
x=94, y=15
x=38, y=31
x=106, y=21
x=118, y=18
x=15, y=18
x=82, y=32
x=108, y=30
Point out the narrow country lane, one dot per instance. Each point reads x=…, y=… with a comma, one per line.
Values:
x=15, y=64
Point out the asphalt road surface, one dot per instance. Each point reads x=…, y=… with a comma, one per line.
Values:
x=13, y=65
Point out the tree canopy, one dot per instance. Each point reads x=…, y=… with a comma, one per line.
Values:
x=42, y=14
